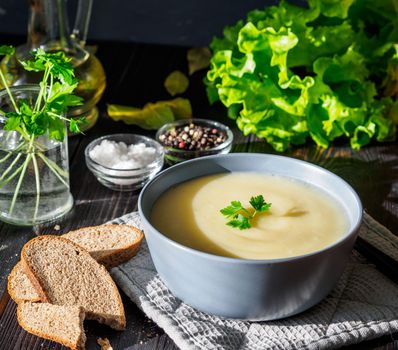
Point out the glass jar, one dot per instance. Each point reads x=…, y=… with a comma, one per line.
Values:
x=34, y=171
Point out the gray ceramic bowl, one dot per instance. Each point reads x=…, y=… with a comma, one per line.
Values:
x=250, y=289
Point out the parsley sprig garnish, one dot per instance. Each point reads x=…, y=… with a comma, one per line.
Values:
x=240, y=217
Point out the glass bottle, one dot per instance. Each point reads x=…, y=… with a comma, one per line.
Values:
x=48, y=29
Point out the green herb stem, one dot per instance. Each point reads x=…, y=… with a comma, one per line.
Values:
x=10, y=166
x=37, y=178
x=59, y=170
x=50, y=89
x=15, y=173
x=8, y=155
x=39, y=147
x=43, y=89
x=57, y=116
x=21, y=177
x=52, y=168
x=248, y=212
x=23, y=132
x=3, y=80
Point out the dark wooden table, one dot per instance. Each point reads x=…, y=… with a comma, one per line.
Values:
x=135, y=76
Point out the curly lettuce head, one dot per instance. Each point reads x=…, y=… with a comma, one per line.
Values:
x=290, y=72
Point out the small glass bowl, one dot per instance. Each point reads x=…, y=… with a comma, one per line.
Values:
x=125, y=179
x=175, y=155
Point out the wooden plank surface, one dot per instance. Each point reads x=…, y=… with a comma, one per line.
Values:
x=135, y=75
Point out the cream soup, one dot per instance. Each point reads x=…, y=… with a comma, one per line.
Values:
x=302, y=219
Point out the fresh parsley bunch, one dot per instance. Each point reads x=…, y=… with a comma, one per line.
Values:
x=239, y=217
x=32, y=119
x=47, y=114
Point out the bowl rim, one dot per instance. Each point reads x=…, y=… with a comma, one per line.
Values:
x=214, y=123
x=353, y=231
x=99, y=167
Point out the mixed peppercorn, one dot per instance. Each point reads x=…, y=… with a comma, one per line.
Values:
x=193, y=137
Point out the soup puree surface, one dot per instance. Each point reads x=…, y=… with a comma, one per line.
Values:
x=302, y=218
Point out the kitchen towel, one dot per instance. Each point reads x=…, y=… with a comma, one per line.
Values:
x=362, y=306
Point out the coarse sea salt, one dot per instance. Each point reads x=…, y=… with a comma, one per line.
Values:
x=121, y=158
x=118, y=155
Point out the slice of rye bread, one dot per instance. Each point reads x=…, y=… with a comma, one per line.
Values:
x=63, y=273
x=19, y=286
x=110, y=245
x=62, y=324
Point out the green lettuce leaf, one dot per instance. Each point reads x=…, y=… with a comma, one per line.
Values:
x=153, y=115
x=176, y=83
x=332, y=8
x=198, y=58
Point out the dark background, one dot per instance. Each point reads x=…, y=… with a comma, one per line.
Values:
x=173, y=22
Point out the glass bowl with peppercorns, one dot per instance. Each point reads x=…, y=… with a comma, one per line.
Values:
x=191, y=138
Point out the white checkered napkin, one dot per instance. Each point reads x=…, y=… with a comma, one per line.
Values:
x=363, y=305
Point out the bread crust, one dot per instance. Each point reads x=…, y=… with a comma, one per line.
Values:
x=10, y=288
x=33, y=279
x=118, y=324
x=120, y=255
x=78, y=346
x=125, y=253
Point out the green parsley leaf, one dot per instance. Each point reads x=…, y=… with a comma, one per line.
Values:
x=63, y=102
x=61, y=66
x=58, y=62
x=7, y=50
x=25, y=108
x=61, y=89
x=232, y=209
x=35, y=66
x=239, y=221
x=39, y=123
x=56, y=129
x=74, y=125
x=259, y=204
x=13, y=121
x=73, y=100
